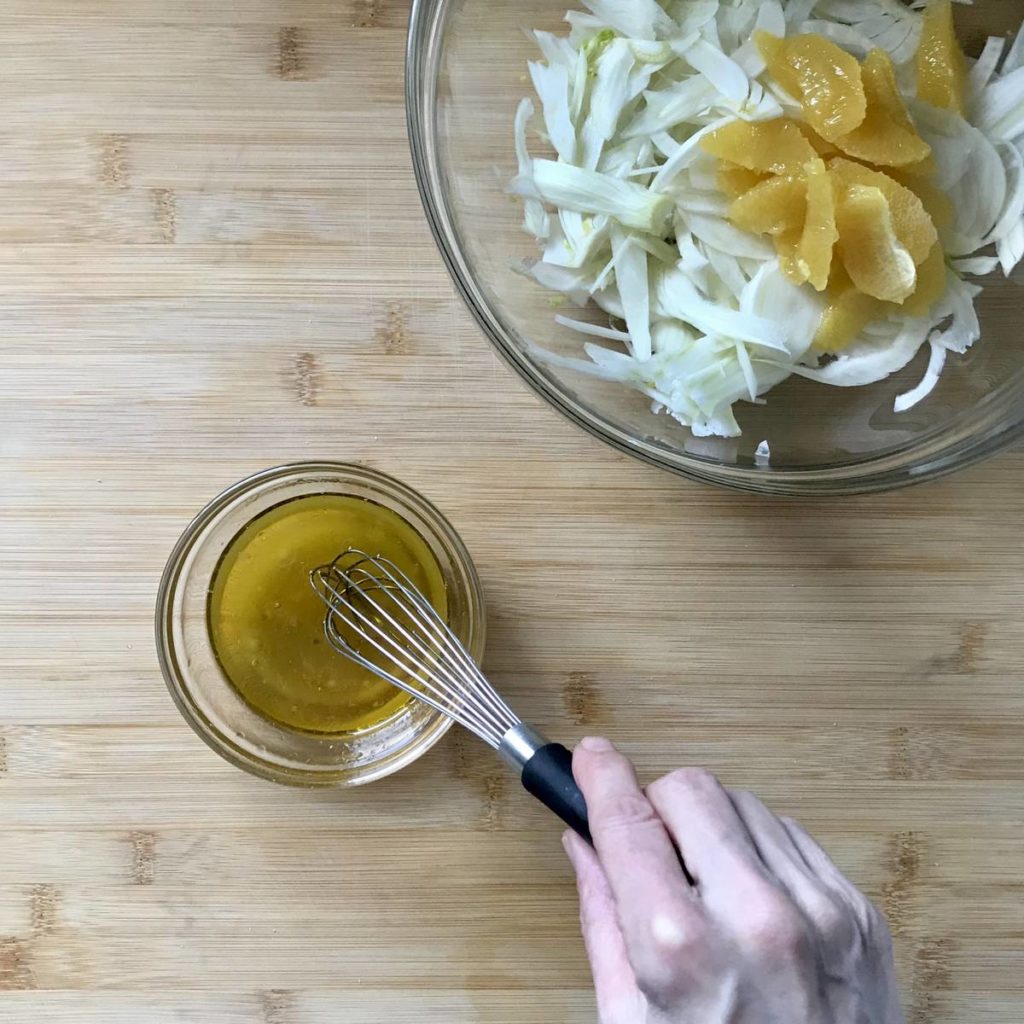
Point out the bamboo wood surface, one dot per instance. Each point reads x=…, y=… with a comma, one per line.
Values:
x=212, y=260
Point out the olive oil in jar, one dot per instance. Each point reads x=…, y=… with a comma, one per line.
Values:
x=266, y=622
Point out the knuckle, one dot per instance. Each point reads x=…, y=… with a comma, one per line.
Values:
x=657, y=977
x=675, y=933
x=623, y=812
x=690, y=780
x=792, y=825
x=774, y=928
x=872, y=921
x=660, y=980
x=665, y=970
x=743, y=797
x=831, y=920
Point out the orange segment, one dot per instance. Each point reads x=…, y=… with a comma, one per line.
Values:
x=824, y=79
x=820, y=145
x=799, y=213
x=847, y=193
x=886, y=135
x=734, y=181
x=787, y=248
x=941, y=66
x=776, y=207
x=775, y=146
x=830, y=80
x=931, y=284
x=926, y=168
x=913, y=226
x=773, y=50
x=847, y=314
x=849, y=311
x=814, y=251
x=877, y=262
x=936, y=203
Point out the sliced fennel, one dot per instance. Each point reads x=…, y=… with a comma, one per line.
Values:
x=628, y=215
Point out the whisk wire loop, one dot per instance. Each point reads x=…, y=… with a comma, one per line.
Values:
x=371, y=601
x=439, y=648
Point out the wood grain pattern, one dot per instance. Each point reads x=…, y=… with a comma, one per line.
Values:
x=212, y=260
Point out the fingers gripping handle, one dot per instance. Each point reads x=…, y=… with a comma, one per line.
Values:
x=548, y=776
x=546, y=771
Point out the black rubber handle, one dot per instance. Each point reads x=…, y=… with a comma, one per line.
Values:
x=548, y=777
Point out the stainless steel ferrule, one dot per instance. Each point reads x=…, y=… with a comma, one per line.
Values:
x=519, y=744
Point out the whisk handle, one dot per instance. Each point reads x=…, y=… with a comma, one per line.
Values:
x=547, y=775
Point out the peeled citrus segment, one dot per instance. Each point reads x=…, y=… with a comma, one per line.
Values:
x=821, y=146
x=776, y=207
x=877, y=262
x=931, y=284
x=936, y=203
x=830, y=79
x=798, y=211
x=773, y=50
x=886, y=136
x=941, y=66
x=787, y=248
x=814, y=253
x=847, y=313
x=735, y=181
x=824, y=79
x=913, y=226
x=776, y=147
x=926, y=168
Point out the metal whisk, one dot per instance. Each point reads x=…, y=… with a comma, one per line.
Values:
x=378, y=618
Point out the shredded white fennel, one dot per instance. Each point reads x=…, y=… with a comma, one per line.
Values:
x=628, y=215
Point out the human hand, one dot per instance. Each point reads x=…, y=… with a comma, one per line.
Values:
x=769, y=931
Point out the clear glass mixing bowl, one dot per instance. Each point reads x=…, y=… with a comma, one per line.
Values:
x=465, y=73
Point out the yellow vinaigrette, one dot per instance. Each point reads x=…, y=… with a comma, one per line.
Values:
x=266, y=622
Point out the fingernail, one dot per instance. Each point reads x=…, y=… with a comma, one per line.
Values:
x=596, y=744
x=568, y=840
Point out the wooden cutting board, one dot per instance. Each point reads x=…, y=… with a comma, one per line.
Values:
x=212, y=259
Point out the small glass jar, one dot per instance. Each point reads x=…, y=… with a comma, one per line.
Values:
x=214, y=708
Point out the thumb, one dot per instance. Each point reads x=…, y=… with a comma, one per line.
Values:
x=619, y=1001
